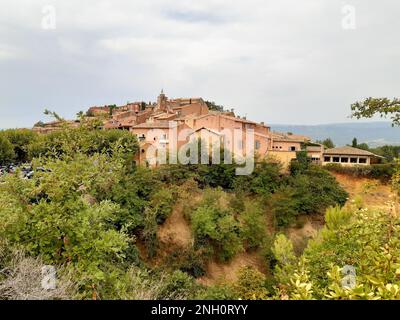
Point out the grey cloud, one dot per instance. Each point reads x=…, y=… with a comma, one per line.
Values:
x=284, y=61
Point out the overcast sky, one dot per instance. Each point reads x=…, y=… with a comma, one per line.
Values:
x=286, y=61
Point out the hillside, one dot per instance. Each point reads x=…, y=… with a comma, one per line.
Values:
x=374, y=133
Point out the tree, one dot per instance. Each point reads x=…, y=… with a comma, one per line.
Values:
x=6, y=150
x=328, y=143
x=111, y=108
x=80, y=115
x=354, y=143
x=366, y=241
x=373, y=106
x=21, y=139
x=215, y=107
x=53, y=114
x=363, y=146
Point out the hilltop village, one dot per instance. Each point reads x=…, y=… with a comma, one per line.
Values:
x=151, y=123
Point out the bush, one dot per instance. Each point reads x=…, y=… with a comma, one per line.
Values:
x=253, y=225
x=188, y=260
x=265, y=179
x=308, y=192
x=285, y=258
x=368, y=241
x=22, y=279
x=177, y=286
x=251, y=285
x=216, y=175
x=87, y=140
x=162, y=201
x=382, y=172
x=21, y=139
x=284, y=206
x=49, y=216
x=218, y=292
x=216, y=227
x=7, y=154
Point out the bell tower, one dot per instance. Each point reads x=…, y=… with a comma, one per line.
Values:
x=162, y=101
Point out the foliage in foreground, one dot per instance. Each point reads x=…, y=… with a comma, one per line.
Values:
x=366, y=240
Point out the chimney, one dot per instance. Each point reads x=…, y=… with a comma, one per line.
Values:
x=244, y=118
x=262, y=122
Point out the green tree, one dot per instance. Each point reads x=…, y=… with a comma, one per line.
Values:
x=21, y=139
x=328, y=143
x=215, y=227
x=354, y=143
x=6, y=150
x=214, y=107
x=373, y=106
x=367, y=241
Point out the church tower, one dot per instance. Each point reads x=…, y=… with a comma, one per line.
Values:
x=162, y=101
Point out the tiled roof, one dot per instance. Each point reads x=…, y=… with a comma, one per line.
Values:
x=150, y=125
x=314, y=148
x=278, y=136
x=347, y=150
x=208, y=129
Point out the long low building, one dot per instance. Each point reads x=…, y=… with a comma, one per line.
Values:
x=350, y=156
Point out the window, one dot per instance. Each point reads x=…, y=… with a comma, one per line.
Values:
x=292, y=148
x=362, y=160
x=257, y=144
x=164, y=137
x=344, y=159
x=327, y=159
x=336, y=159
x=353, y=160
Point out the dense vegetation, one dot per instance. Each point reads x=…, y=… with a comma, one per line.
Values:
x=95, y=215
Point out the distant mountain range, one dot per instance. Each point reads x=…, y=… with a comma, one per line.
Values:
x=375, y=134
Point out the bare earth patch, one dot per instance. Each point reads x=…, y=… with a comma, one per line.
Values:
x=300, y=235
x=374, y=193
x=175, y=230
x=217, y=272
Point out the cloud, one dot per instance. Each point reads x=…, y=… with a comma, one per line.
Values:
x=284, y=61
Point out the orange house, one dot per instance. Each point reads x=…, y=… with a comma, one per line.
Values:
x=157, y=139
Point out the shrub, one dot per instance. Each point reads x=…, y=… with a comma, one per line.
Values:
x=177, y=286
x=286, y=259
x=250, y=285
x=21, y=139
x=312, y=191
x=216, y=227
x=162, y=202
x=189, y=260
x=48, y=216
x=265, y=179
x=253, y=225
x=85, y=139
x=175, y=174
x=382, y=172
x=218, y=292
x=22, y=279
x=216, y=175
x=7, y=154
x=284, y=206
x=301, y=163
